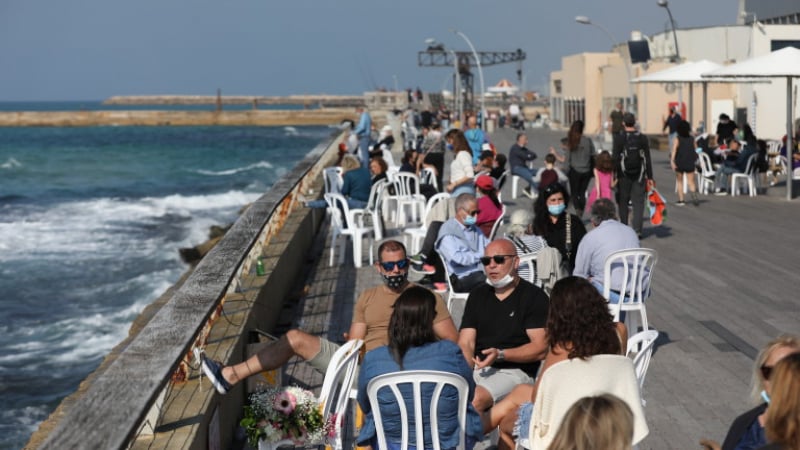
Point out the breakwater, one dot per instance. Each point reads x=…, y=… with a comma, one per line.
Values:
x=325, y=116
x=321, y=100
x=146, y=394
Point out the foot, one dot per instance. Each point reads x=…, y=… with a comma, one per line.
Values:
x=423, y=269
x=418, y=259
x=213, y=371
x=680, y=203
x=440, y=287
x=695, y=200
x=720, y=192
x=527, y=192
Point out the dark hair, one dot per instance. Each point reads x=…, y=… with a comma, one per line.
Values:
x=579, y=320
x=501, y=160
x=604, y=163
x=492, y=194
x=603, y=209
x=486, y=154
x=684, y=129
x=460, y=143
x=574, y=135
x=408, y=154
x=541, y=221
x=411, y=324
x=390, y=246
x=381, y=162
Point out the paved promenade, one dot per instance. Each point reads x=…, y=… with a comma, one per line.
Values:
x=723, y=287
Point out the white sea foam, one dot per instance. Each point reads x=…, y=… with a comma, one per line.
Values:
x=10, y=164
x=258, y=165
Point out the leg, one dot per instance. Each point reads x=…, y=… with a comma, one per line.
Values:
x=274, y=355
x=506, y=441
x=525, y=173
x=482, y=400
x=637, y=198
x=679, y=184
x=507, y=407
x=580, y=196
x=624, y=193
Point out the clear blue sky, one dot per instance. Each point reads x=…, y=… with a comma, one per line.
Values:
x=93, y=49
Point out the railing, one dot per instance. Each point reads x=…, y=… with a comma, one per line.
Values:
x=112, y=410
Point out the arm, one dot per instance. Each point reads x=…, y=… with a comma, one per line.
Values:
x=596, y=183
x=557, y=154
x=362, y=125
x=583, y=261
x=357, y=331
x=672, y=153
x=457, y=254
x=446, y=329
x=535, y=350
x=466, y=340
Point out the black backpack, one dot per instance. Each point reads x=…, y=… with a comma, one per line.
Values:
x=632, y=159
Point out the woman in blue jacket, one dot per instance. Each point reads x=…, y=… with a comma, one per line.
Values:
x=414, y=346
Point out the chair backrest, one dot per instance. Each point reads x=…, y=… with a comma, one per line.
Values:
x=387, y=156
x=338, y=382
x=432, y=204
x=641, y=358
x=497, y=224
x=337, y=206
x=428, y=176
x=633, y=269
x=502, y=180
x=416, y=378
x=406, y=184
x=705, y=164
x=528, y=261
x=333, y=180
x=565, y=382
x=375, y=194
x=773, y=146
x=751, y=167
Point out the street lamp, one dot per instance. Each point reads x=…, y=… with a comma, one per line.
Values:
x=480, y=74
x=665, y=4
x=585, y=21
x=458, y=102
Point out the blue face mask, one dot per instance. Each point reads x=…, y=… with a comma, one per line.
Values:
x=765, y=396
x=556, y=210
x=470, y=220
x=449, y=146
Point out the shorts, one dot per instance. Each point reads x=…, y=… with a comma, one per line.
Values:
x=499, y=382
x=322, y=360
x=522, y=426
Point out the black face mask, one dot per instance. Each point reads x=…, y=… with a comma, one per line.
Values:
x=395, y=281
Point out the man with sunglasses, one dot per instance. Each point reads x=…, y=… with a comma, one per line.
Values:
x=503, y=328
x=370, y=322
x=461, y=244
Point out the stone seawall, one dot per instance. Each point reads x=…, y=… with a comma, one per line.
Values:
x=325, y=116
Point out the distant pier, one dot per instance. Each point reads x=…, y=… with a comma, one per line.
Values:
x=316, y=100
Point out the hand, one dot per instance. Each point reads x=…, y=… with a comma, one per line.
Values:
x=672, y=163
x=489, y=357
x=450, y=187
x=708, y=444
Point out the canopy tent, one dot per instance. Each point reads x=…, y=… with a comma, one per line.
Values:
x=692, y=72
x=783, y=63
x=504, y=87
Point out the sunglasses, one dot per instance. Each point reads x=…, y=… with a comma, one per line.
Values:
x=498, y=259
x=766, y=372
x=389, y=265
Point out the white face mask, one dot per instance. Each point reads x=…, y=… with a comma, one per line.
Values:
x=501, y=283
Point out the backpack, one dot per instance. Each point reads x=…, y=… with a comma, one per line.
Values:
x=548, y=177
x=632, y=159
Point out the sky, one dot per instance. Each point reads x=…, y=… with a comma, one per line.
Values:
x=60, y=50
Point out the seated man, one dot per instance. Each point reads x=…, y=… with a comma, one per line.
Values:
x=518, y=157
x=370, y=323
x=607, y=237
x=735, y=162
x=485, y=163
x=503, y=328
x=461, y=244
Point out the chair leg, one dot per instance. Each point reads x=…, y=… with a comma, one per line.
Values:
x=333, y=248
x=357, y=249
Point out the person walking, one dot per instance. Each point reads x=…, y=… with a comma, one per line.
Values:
x=682, y=159
x=671, y=124
x=580, y=157
x=634, y=167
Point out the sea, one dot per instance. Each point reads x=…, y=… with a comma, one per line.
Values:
x=91, y=220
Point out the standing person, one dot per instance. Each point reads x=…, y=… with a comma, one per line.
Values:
x=461, y=169
x=682, y=159
x=634, y=168
x=616, y=119
x=363, y=131
x=519, y=156
x=475, y=138
x=604, y=180
x=671, y=123
x=726, y=129
x=560, y=229
x=580, y=156
x=413, y=345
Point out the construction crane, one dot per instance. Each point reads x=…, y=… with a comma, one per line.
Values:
x=437, y=56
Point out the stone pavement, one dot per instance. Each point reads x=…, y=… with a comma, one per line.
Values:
x=723, y=287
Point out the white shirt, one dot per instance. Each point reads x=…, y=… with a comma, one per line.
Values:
x=461, y=167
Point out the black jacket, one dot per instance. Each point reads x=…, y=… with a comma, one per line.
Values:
x=740, y=426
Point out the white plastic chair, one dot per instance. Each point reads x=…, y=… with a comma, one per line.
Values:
x=416, y=378
x=642, y=342
x=387, y=156
x=705, y=176
x=636, y=266
x=451, y=293
x=748, y=177
x=336, y=387
x=497, y=224
x=428, y=176
x=515, y=179
x=373, y=209
x=354, y=228
x=529, y=261
x=418, y=233
x=333, y=180
x=407, y=194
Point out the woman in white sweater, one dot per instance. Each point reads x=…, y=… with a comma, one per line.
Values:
x=461, y=169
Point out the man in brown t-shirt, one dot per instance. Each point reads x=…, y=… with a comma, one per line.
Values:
x=370, y=323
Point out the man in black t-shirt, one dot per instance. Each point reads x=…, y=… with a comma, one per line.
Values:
x=503, y=328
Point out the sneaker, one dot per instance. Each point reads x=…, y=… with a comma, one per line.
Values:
x=695, y=200
x=213, y=370
x=720, y=192
x=527, y=192
x=680, y=203
x=418, y=259
x=440, y=287
x=428, y=269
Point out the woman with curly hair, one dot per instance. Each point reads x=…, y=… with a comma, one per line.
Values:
x=579, y=325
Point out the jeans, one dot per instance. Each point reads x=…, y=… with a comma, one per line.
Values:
x=631, y=189
x=578, y=183
x=722, y=174
x=525, y=173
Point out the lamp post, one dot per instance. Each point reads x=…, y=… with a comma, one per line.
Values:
x=585, y=21
x=458, y=103
x=665, y=4
x=480, y=74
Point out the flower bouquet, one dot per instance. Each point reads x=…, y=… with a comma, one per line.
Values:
x=289, y=414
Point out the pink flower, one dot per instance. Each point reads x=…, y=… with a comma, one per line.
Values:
x=285, y=403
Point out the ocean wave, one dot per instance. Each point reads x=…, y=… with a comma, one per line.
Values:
x=258, y=165
x=10, y=163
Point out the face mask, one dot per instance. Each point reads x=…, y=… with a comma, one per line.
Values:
x=556, y=210
x=501, y=283
x=765, y=396
x=449, y=146
x=470, y=220
x=395, y=281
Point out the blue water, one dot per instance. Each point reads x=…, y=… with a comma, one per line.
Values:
x=91, y=220
x=94, y=105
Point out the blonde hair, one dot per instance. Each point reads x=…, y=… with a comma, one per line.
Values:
x=350, y=162
x=757, y=382
x=782, y=422
x=596, y=423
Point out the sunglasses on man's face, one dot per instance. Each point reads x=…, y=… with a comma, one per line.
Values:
x=389, y=265
x=498, y=259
